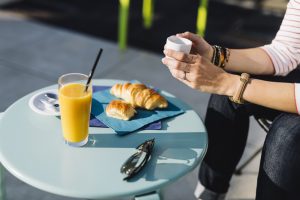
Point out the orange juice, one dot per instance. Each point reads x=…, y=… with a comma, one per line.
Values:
x=75, y=108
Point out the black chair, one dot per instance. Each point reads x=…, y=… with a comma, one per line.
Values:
x=265, y=125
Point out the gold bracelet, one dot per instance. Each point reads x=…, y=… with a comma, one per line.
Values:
x=237, y=97
x=226, y=53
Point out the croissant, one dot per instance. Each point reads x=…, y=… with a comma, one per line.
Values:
x=120, y=109
x=139, y=95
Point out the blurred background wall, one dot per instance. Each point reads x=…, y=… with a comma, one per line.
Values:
x=233, y=23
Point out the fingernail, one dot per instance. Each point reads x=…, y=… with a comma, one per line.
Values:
x=165, y=51
x=163, y=60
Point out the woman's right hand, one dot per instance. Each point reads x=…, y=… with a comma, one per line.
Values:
x=200, y=46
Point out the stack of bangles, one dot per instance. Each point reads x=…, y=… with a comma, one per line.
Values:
x=220, y=56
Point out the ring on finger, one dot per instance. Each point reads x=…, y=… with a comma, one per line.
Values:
x=188, y=68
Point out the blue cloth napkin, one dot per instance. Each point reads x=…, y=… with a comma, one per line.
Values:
x=142, y=118
x=94, y=122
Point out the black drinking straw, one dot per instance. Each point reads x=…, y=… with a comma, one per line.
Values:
x=93, y=70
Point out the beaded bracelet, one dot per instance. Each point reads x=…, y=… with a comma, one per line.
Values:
x=214, y=55
x=220, y=56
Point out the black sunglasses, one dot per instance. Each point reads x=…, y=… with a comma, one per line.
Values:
x=137, y=161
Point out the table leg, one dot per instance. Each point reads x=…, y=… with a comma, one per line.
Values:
x=2, y=190
x=123, y=23
x=149, y=196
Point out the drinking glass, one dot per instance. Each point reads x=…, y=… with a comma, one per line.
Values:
x=75, y=107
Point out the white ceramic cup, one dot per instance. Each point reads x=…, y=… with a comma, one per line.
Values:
x=179, y=44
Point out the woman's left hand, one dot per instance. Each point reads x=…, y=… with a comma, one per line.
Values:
x=199, y=73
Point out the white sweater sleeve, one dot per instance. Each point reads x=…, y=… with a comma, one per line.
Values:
x=297, y=97
x=284, y=50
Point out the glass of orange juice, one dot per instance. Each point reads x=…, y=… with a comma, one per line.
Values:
x=75, y=108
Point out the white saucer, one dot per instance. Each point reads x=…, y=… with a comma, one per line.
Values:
x=37, y=106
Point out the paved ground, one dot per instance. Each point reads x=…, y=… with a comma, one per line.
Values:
x=33, y=55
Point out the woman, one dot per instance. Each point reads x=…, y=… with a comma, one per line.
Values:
x=276, y=98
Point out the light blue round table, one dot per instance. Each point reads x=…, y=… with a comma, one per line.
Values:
x=32, y=149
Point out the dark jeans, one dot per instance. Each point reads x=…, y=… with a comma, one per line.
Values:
x=227, y=125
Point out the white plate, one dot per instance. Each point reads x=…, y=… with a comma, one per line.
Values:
x=37, y=106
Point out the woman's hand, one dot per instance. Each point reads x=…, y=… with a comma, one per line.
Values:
x=199, y=73
x=200, y=46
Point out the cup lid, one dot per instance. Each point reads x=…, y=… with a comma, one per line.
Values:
x=178, y=40
x=38, y=103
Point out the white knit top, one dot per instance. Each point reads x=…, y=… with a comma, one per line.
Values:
x=284, y=50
